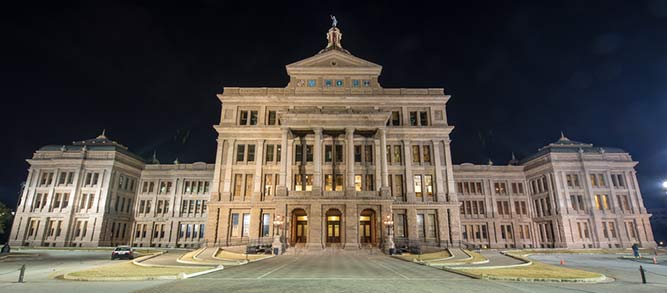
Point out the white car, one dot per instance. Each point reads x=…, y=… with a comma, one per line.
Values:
x=122, y=252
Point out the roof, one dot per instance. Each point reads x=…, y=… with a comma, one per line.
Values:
x=565, y=145
x=99, y=143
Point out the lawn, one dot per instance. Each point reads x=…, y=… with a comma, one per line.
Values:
x=128, y=269
x=535, y=270
x=426, y=256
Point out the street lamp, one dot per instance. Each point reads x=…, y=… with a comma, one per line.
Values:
x=389, y=223
x=277, y=243
x=664, y=185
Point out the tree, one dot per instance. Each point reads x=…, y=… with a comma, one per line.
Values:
x=5, y=217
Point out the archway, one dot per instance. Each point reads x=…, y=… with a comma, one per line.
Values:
x=299, y=227
x=367, y=227
x=333, y=217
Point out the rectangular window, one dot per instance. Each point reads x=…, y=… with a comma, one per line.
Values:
x=328, y=153
x=243, y=118
x=271, y=120
x=253, y=117
x=370, y=184
x=339, y=181
x=236, y=232
x=246, y=225
x=427, y=154
x=395, y=118
x=368, y=154
x=248, y=185
x=415, y=154
x=251, y=153
x=398, y=186
x=430, y=231
x=357, y=154
x=355, y=83
x=421, y=233
x=423, y=118
x=240, y=152
x=397, y=155
x=278, y=153
x=418, y=186
x=268, y=185
x=400, y=225
x=357, y=182
x=328, y=182
x=238, y=185
x=328, y=83
x=309, y=153
x=312, y=83
x=428, y=185
x=269, y=153
x=413, y=118
x=298, y=153
x=266, y=224
x=338, y=153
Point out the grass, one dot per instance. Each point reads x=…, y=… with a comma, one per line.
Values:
x=476, y=257
x=426, y=256
x=535, y=270
x=579, y=251
x=128, y=269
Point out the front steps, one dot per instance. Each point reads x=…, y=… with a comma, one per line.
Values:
x=333, y=249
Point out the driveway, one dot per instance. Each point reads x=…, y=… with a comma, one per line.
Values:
x=40, y=271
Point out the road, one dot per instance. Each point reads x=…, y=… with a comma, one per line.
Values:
x=50, y=263
x=382, y=273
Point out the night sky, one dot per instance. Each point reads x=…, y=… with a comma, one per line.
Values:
x=518, y=72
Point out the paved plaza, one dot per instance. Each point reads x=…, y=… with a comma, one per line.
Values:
x=328, y=273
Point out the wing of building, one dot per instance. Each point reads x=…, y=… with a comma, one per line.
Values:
x=331, y=160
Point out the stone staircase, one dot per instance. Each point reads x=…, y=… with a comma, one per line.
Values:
x=333, y=250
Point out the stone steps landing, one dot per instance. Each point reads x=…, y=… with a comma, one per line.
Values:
x=333, y=250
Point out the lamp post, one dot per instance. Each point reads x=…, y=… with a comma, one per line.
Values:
x=277, y=243
x=389, y=223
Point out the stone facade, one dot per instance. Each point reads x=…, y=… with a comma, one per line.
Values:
x=330, y=158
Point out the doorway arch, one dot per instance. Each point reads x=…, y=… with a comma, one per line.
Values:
x=367, y=227
x=333, y=220
x=299, y=229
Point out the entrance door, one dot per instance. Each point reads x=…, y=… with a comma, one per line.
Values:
x=367, y=226
x=301, y=230
x=333, y=226
x=299, y=227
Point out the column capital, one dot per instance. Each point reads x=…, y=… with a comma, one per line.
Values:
x=284, y=130
x=318, y=130
x=406, y=142
x=260, y=140
x=349, y=130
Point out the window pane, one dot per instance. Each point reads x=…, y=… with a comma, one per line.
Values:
x=251, y=153
x=240, y=151
x=418, y=185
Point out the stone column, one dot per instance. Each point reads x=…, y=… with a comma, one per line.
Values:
x=441, y=195
x=385, y=189
x=255, y=219
x=443, y=226
x=351, y=225
x=281, y=189
x=451, y=185
x=315, y=223
x=259, y=161
x=409, y=180
x=349, y=165
x=317, y=163
x=217, y=173
x=227, y=183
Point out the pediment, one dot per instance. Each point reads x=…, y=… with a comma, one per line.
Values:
x=334, y=61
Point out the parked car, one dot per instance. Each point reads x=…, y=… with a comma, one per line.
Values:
x=122, y=252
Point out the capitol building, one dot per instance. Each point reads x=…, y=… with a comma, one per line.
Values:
x=331, y=161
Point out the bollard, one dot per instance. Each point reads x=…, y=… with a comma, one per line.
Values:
x=21, y=273
x=655, y=261
x=562, y=262
x=641, y=271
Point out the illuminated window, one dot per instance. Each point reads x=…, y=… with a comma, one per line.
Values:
x=312, y=83
x=418, y=185
x=355, y=83
x=328, y=83
x=339, y=83
x=357, y=182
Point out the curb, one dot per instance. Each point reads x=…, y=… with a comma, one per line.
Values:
x=599, y=279
x=187, y=276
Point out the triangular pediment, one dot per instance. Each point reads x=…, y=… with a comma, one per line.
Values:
x=334, y=62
